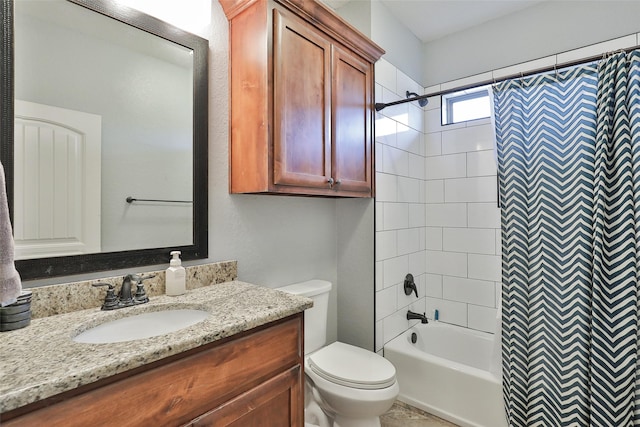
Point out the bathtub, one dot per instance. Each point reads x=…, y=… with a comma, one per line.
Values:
x=448, y=373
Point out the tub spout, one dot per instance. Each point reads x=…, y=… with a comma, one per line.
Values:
x=417, y=316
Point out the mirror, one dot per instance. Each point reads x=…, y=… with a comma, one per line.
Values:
x=104, y=137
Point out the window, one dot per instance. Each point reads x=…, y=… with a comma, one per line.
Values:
x=470, y=104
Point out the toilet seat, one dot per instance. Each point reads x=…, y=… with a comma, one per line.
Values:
x=352, y=366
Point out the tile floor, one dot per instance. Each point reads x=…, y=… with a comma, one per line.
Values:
x=403, y=415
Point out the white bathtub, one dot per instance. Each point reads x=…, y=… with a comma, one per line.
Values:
x=448, y=372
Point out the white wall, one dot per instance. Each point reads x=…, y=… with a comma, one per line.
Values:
x=358, y=14
x=356, y=272
x=373, y=18
x=402, y=46
x=463, y=222
x=436, y=214
x=459, y=240
x=545, y=29
x=277, y=240
x=400, y=203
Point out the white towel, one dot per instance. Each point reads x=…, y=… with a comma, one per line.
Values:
x=10, y=284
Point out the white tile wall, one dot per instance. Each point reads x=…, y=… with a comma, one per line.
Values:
x=418, y=263
x=408, y=190
x=434, y=191
x=395, y=161
x=436, y=204
x=470, y=240
x=405, y=83
x=434, y=238
x=446, y=214
x=396, y=215
x=409, y=139
x=484, y=215
x=417, y=215
x=466, y=139
x=447, y=263
x=395, y=269
x=386, y=187
x=481, y=163
x=471, y=291
x=485, y=267
x=409, y=241
x=442, y=167
x=482, y=318
x=450, y=311
x=386, y=75
x=401, y=193
x=386, y=302
x=436, y=213
x=463, y=222
x=386, y=245
x=433, y=285
x=433, y=144
x=416, y=166
x=478, y=189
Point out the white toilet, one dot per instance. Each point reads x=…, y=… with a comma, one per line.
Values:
x=345, y=386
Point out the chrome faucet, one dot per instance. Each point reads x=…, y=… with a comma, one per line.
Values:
x=125, y=298
x=417, y=316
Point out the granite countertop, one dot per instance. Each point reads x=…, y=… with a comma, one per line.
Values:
x=42, y=360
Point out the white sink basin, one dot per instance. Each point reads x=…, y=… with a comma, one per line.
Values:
x=141, y=326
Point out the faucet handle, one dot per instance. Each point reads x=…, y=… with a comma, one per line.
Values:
x=110, y=300
x=410, y=285
x=141, y=295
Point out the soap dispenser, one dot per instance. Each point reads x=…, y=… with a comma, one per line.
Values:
x=175, y=281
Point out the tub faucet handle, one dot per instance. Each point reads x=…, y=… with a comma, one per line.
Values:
x=410, y=285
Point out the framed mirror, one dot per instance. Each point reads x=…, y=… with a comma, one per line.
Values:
x=104, y=134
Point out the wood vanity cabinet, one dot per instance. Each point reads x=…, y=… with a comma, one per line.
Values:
x=301, y=84
x=255, y=379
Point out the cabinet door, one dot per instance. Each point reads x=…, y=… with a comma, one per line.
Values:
x=276, y=402
x=302, y=104
x=352, y=100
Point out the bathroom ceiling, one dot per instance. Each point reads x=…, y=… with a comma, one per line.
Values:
x=432, y=19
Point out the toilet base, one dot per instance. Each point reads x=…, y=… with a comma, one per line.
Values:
x=315, y=416
x=340, y=407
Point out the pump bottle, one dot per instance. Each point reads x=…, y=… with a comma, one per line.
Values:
x=175, y=281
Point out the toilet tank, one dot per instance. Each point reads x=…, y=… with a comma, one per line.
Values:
x=315, y=318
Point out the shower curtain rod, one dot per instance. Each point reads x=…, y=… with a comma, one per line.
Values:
x=557, y=66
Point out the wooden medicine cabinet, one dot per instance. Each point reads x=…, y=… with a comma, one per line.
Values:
x=301, y=100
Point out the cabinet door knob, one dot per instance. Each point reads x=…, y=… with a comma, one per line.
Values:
x=338, y=182
x=330, y=181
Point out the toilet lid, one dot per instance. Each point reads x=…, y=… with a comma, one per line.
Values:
x=352, y=366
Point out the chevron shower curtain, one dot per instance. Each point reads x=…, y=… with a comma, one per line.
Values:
x=569, y=169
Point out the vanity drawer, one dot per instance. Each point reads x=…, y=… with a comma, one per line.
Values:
x=272, y=401
x=184, y=388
